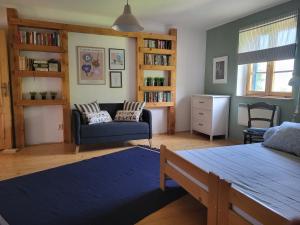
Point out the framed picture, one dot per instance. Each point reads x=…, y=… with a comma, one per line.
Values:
x=116, y=59
x=91, y=65
x=115, y=79
x=220, y=70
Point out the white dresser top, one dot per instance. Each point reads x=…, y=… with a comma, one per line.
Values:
x=212, y=96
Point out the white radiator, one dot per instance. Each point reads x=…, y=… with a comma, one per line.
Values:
x=243, y=116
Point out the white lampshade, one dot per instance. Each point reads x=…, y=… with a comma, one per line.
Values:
x=127, y=22
x=295, y=81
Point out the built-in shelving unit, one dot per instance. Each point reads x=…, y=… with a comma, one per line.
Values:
x=158, y=53
x=17, y=75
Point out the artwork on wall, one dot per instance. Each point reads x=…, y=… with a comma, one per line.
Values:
x=116, y=59
x=115, y=79
x=220, y=70
x=91, y=65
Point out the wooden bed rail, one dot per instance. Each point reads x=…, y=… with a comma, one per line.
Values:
x=177, y=168
x=227, y=215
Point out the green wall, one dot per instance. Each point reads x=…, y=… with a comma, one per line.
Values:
x=223, y=41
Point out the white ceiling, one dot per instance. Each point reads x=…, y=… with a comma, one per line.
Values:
x=200, y=14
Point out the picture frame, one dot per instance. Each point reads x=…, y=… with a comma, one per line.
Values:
x=115, y=79
x=116, y=59
x=220, y=66
x=91, y=65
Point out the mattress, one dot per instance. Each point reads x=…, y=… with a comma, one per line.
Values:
x=270, y=177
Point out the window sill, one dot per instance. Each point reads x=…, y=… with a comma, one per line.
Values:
x=267, y=97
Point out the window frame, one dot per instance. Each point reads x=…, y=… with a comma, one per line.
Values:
x=269, y=82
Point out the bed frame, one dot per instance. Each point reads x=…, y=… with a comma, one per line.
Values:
x=219, y=197
x=208, y=197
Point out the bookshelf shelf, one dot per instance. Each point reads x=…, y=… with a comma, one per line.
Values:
x=165, y=46
x=157, y=88
x=21, y=33
x=39, y=48
x=157, y=67
x=24, y=73
x=41, y=102
x=158, y=51
x=159, y=104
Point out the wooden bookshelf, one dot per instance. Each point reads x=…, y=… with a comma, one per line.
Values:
x=157, y=88
x=25, y=73
x=16, y=74
x=39, y=48
x=169, y=69
x=41, y=102
x=159, y=104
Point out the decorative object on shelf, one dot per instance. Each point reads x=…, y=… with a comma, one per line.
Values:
x=156, y=81
x=32, y=95
x=127, y=22
x=162, y=81
x=91, y=65
x=157, y=96
x=115, y=79
x=54, y=65
x=43, y=95
x=150, y=81
x=157, y=59
x=161, y=44
x=53, y=95
x=116, y=59
x=295, y=83
x=220, y=70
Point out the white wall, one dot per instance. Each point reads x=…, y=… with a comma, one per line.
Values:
x=190, y=71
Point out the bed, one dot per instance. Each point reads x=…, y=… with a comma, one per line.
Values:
x=249, y=184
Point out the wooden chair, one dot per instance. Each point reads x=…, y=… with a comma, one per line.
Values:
x=252, y=134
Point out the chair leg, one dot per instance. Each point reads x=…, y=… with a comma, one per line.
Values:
x=150, y=142
x=245, y=138
x=77, y=148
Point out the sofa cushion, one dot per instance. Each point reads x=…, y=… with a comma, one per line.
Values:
x=123, y=115
x=113, y=129
x=100, y=117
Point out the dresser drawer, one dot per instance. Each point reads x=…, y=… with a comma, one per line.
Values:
x=202, y=102
x=201, y=126
x=201, y=114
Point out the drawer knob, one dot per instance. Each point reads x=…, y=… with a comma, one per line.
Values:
x=201, y=114
x=201, y=102
x=200, y=124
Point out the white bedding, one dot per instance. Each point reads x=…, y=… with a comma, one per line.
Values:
x=270, y=177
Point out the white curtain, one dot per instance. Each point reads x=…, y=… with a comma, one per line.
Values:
x=269, y=41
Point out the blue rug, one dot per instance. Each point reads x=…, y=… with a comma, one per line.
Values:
x=120, y=188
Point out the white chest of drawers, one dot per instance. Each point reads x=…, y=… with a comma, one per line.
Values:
x=209, y=114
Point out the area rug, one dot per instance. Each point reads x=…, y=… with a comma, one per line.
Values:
x=119, y=188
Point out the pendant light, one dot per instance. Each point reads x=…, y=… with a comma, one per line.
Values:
x=127, y=22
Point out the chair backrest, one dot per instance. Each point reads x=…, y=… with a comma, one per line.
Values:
x=264, y=106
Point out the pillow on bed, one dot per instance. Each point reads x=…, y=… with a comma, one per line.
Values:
x=284, y=138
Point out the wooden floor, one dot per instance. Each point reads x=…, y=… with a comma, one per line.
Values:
x=36, y=158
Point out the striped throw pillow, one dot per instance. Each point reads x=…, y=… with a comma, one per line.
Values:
x=133, y=106
x=92, y=107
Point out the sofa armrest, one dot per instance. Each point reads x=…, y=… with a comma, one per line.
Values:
x=147, y=117
x=76, y=124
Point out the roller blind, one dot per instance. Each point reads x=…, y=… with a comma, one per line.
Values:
x=268, y=41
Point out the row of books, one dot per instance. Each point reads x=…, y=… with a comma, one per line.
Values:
x=162, y=44
x=30, y=64
x=157, y=96
x=153, y=59
x=39, y=38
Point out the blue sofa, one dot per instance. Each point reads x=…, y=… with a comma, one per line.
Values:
x=113, y=131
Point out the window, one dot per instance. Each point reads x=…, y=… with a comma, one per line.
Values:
x=270, y=78
x=266, y=57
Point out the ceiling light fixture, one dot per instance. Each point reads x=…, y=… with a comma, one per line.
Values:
x=127, y=22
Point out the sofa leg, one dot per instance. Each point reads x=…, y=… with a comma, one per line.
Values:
x=150, y=142
x=77, y=149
